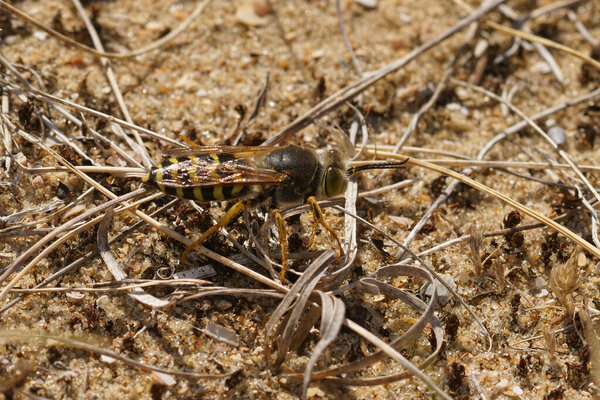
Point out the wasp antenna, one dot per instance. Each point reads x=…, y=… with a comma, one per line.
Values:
x=384, y=165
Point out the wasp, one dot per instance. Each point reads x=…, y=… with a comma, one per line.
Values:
x=284, y=176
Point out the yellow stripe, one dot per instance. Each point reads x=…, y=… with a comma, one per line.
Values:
x=173, y=160
x=218, y=193
x=243, y=154
x=192, y=171
x=159, y=179
x=236, y=190
x=198, y=194
x=146, y=177
x=179, y=191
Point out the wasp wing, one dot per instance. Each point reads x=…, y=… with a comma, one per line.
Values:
x=238, y=151
x=201, y=170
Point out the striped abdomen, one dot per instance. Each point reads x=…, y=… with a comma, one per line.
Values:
x=205, y=177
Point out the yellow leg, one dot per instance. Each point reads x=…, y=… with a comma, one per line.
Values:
x=313, y=234
x=283, y=242
x=320, y=219
x=231, y=213
x=188, y=141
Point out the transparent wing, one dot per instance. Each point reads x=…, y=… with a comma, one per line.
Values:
x=202, y=171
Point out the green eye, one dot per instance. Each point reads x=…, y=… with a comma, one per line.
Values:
x=334, y=182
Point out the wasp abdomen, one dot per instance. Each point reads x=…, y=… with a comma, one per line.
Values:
x=187, y=178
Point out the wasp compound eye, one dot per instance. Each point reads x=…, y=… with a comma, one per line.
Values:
x=334, y=182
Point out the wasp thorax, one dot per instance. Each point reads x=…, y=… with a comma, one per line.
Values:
x=301, y=167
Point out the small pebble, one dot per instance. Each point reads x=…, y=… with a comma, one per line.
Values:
x=541, y=67
x=163, y=379
x=517, y=390
x=78, y=209
x=37, y=182
x=116, y=161
x=246, y=14
x=107, y=359
x=315, y=391
x=480, y=48
x=261, y=8
x=222, y=333
x=155, y=26
x=402, y=222
x=75, y=297
x=442, y=293
x=367, y=3
x=62, y=191
x=581, y=260
x=20, y=158
x=540, y=283
x=40, y=35
x=557, y=134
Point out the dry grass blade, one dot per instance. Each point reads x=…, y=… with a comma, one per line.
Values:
x=80, y=260
x=427, y=268
x=592, y=335
x=351, y=195
x=427, y=316
x=354, y=89
x=18, y=263
x=43, y=96
x=545, y=42
x=260, y=101
x=152, y=46
x=28, y=337
x=396, y=356
x=191, y=89
x=333, y=311
x=507, y=164
x=79, y=123
x=165, y=229
x=115, y=268
x=403, y=342
x=297, y=298
x=56, y=244
x=539, y=130
x=206, y=292
x=513, y=203
x=140, y=148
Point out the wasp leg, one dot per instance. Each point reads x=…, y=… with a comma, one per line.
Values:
x=320, y=219
x=188, y=141
x=283, y=242
x=226, y=219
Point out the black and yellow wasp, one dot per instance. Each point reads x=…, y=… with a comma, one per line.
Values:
x=289, y=175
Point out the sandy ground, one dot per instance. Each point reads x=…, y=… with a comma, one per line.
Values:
x=192, y=88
